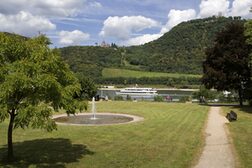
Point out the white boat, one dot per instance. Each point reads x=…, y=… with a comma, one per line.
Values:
x=138, y=92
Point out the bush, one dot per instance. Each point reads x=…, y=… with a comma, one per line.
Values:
x=118, y=98
x=250, y=102
x=184, y=99
x=158, y=99
x=206, y=93
x=128, y=98
x=169, y=81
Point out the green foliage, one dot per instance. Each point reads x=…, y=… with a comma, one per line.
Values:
x=158, y=99
x=227, y=98
x=118, y=98
x=227, y=63
x=145, y=80
x=250, y=102
x=88, y=88
x=248, y=34
x=113, y=72
x=184, y=99
x=33, y=81
x=206, y=93
x=32, y=74
x=128, y=98
x=180, y=50
x=248, y=31
x=90, y=60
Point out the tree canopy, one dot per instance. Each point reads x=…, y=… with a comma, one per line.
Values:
x=248, y=31
x=89, y=60
x=88, y=89
x=248, y=34
x=227, y=63
x=33, y=81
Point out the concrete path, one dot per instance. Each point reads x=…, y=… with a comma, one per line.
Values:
x=217, y=152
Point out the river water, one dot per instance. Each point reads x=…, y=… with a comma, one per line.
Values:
x=172, y=94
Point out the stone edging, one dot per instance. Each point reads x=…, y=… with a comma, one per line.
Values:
x=135, y=119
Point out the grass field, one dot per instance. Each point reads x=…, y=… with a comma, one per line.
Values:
x=241, y=133
x=111, y=72
x=170, y=136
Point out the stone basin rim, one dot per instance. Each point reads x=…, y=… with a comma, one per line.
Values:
x=135, y=118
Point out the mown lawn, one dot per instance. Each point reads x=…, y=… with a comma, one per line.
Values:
x=241, y=133
x=111, y=72
x=170, y=136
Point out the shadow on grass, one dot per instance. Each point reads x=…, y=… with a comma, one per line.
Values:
x=223, y=104
x=51, y=152
x=246, y=109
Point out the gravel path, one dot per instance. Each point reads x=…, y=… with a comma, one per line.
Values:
x=217, y=152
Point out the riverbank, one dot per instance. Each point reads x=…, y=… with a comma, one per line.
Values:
x=169, y=94
x=117, y=89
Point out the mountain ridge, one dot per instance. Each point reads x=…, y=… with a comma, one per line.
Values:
x=182, y=49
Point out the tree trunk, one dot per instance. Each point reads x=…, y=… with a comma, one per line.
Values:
x=10, y=129
x=240, y=97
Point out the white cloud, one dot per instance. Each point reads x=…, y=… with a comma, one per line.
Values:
x=57, y=7
x=13, y=6
x=25, y=23
x=50, y=8
x=143, y=39
x=177, y=16
x=214, y=7
x=72, y=37
x=123, y=27
x=241, y=7
x=95, y=4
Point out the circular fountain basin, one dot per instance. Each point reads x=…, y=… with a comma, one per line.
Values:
x=87, y=119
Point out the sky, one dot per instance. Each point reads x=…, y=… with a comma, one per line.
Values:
x=124, y=22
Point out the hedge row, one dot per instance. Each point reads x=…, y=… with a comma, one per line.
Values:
x=169, y=81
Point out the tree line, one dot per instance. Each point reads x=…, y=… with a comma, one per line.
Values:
x=168, y=81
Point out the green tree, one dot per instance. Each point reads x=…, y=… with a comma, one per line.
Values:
x=248, y=31
x=88, y=88
x=33, y=81
x=248, y=34
x=205, y=94
x=227, y=63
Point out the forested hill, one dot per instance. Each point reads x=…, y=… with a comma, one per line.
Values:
x=90, y=60
x=181, y=49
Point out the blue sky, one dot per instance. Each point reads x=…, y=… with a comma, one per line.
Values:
x=124, y=22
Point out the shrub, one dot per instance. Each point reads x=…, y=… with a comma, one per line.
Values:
x=158, y=99
x=128, y=98
x=169, y=81
x=184, y=99
x=118, y=98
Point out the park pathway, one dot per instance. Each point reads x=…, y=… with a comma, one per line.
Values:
x=217, y=152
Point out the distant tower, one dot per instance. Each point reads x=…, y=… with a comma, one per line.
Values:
x=104, y=44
